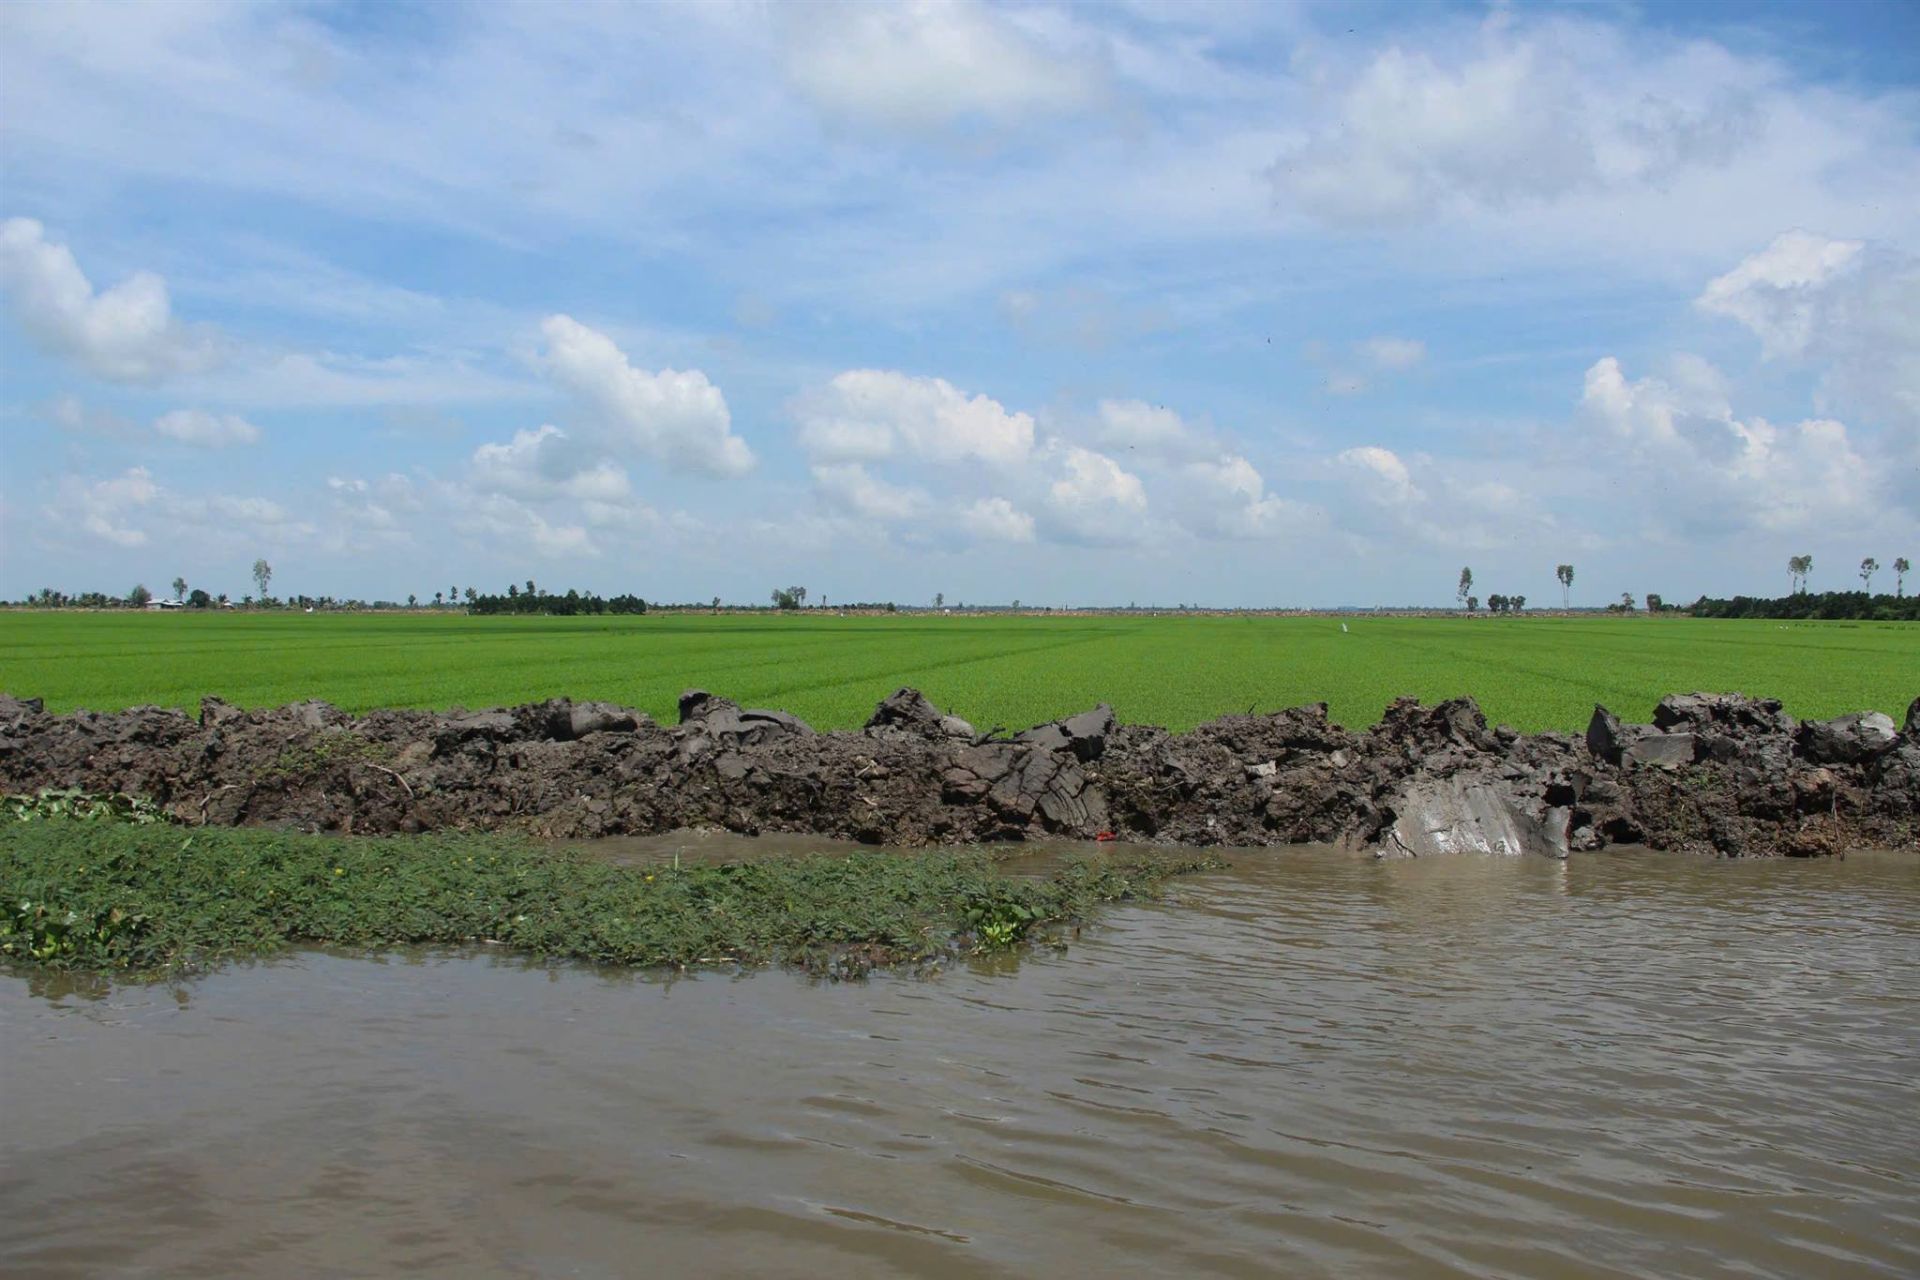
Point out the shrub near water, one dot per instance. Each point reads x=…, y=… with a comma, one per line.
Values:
x=153, y=898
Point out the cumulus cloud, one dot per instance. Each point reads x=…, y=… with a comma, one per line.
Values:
x=678, y=418
x=1095, y=499
x=544, y=464
x=1229, y=499
x=208, y=430
x=864, y=415
x=1723, y=472
x=1382, y=476
x=1516, y=119
x=925, y=63
x=997, y=520
x=127, y=333
x=1852, y=307
x=848, y=486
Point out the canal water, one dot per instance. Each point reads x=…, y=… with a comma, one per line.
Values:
x=1307, y=1065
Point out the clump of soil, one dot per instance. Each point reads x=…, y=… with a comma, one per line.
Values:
x=1717, y=773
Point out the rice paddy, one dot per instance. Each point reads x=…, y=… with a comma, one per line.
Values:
x=1533, y=673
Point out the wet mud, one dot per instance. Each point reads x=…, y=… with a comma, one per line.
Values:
x=1712, y=773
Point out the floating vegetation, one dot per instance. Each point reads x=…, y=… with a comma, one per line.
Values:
x=152, y=899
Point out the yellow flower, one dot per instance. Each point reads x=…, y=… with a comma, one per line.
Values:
x=339, y=871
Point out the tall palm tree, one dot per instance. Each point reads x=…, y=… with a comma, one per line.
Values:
x=1565, y=574
x=1868, y=568
x=1900, y=567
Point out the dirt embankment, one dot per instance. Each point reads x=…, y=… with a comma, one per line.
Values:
x=1714, y=773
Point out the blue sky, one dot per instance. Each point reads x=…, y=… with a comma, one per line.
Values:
x=1158, y=302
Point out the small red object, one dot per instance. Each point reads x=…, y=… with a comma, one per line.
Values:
x=1105, y=836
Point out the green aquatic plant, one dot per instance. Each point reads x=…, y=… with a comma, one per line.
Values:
x=158, y=899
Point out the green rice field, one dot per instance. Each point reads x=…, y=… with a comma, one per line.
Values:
x=1532, y=673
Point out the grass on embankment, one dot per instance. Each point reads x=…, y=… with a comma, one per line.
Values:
x=95, y=895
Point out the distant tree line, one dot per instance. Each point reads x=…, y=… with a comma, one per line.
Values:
x=1856, y=606
x=534, y=600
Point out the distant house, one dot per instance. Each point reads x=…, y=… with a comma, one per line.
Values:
x=165, y=604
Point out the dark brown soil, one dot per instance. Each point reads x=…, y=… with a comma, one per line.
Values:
x=1715, y=773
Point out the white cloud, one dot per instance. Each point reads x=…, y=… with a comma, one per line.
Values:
x=864, y=415
x=1851, y=307
x=1517, y=117
x=1096, y=500
x=1229, y=499
x=127, y=333
x=922, y=63
x=107, y=508
x=1383, y=477
x=678, y=418
x=208, y=430
x=544, y=464
x=849, y=486
x=130, y=509
x=1724, y=473
x=513, y=526
x=997, y=520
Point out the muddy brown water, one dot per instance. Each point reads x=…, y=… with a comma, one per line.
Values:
x=1310, y=1065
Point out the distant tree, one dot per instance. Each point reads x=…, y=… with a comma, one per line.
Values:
x=1473, y=602
x=413, y=601
x=1565, y=574
x=1626, y=601
x=1517, y=603
x=1466, y=585
x=247, y=601
x=1868, y=568
x=532, y=590
x=513, y=592
x=472, y=595
x=1654, y=603
x=1900, y=567
x=788, y=597
x=1016, y=604
x=262, y=575
x=1496, y=603
x=139, y=596
x=199, y=599
x=453, y=595
x=439, y=598
x=179, y=588
x=1798, y=567
x=939, y=599
x=716, y=604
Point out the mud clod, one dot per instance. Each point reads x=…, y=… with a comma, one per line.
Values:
x=1714, y=773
